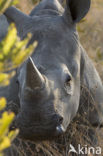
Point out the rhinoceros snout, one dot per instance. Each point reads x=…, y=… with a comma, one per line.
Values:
x=59, y=130
x=39, y=130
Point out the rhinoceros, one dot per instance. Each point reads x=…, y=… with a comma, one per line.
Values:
x=3, y=26
x=47, y=85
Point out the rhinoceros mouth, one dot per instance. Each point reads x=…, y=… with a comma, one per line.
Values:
x=37, y=131
x=35, y=134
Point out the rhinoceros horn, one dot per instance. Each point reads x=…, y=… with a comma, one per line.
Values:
x=34, y=79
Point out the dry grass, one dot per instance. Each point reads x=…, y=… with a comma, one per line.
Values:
x=80, y=131
x=91, y=34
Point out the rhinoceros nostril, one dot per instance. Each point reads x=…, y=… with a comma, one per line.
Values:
x=58, y=118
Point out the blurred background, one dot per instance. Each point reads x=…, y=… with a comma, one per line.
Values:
x=91, y=37
x=90, y=30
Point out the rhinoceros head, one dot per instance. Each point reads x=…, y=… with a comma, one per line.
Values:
x=49, y=81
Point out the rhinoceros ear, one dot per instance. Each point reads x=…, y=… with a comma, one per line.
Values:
x=16, y=16
x=34, y=78
x=77, y=8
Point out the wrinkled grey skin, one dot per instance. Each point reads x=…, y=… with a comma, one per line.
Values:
x=48, y=89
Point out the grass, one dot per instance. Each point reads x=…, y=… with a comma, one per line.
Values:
x=80, y=131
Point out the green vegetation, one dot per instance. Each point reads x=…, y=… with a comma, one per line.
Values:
x=12, y=53
x=5, y=136
x=4, y=4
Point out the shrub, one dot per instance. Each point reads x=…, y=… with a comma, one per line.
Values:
x=12, y=53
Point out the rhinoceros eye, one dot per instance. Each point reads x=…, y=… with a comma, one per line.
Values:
x=68, y=85
x=17, y=82
x=68, y=79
